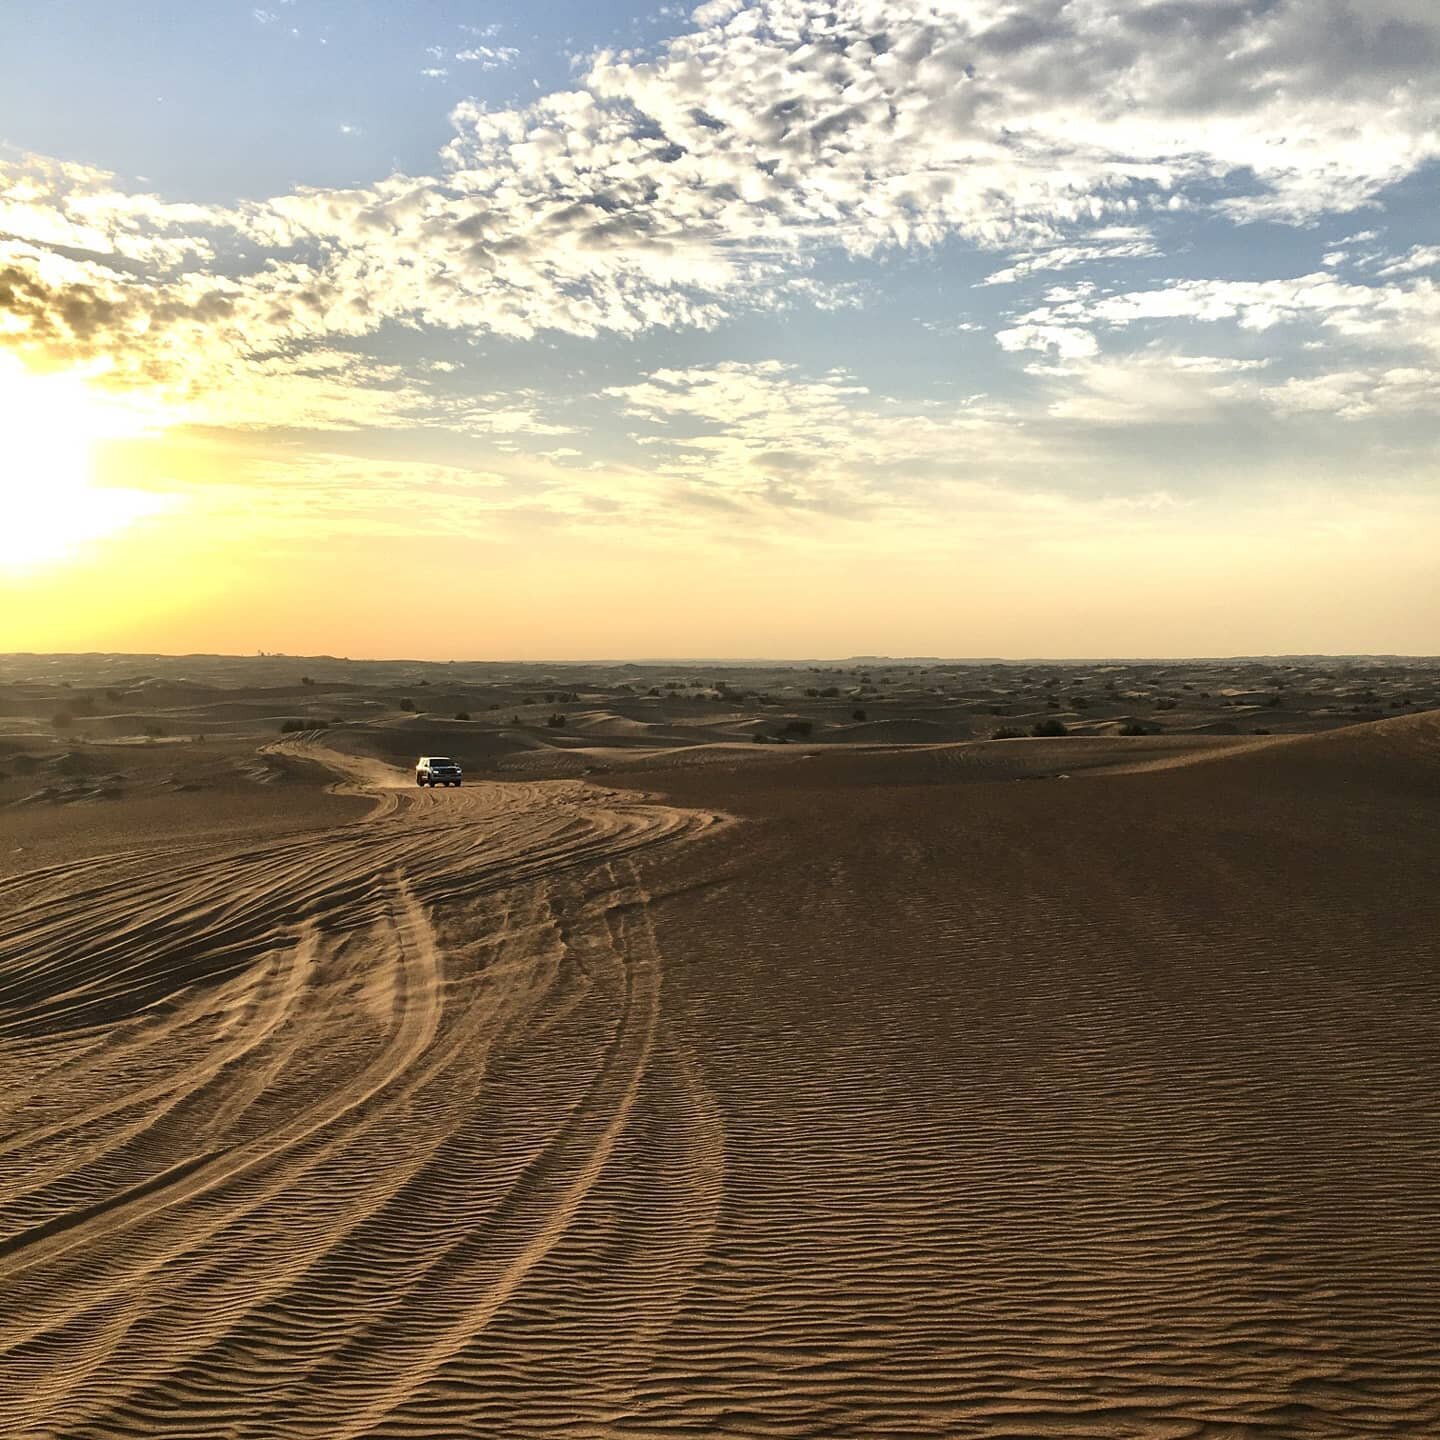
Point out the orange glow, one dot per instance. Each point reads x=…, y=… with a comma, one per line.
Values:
x=49, y=428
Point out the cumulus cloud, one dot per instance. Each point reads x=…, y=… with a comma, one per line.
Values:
x=681, y=186
x=1355, y=351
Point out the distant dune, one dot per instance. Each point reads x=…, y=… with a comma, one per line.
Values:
x=896, y=1086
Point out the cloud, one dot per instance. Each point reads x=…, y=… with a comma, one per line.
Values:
x=675, y=188
x=487, y=57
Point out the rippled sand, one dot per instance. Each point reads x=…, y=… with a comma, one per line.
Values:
x=883, y=1095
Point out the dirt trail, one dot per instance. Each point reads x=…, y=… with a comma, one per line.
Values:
x=284, y=1127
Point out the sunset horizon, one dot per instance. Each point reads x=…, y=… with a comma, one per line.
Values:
x=766, y=327
x=720, y=720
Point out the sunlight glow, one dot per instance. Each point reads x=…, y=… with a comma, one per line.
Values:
x=50, y=504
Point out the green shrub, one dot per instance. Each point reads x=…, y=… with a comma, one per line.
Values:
x=407, y=704
x=1049, y=729
x=857, y=715
x=1134, y=727
x=556, y=721
x=1007, y=732
x=462, y=714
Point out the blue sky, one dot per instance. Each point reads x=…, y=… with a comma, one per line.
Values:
x=1083, y=291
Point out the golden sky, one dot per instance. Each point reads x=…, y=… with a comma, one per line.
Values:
x=995, y=330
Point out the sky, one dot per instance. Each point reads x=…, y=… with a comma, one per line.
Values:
x=783, y=328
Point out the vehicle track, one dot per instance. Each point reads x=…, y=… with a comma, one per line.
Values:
x=284, y=1128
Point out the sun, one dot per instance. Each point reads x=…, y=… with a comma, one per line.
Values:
x=50, y=505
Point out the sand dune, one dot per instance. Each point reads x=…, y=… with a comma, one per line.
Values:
x=818, y=1095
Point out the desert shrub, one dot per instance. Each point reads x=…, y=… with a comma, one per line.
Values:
x=1049, y=729
x=307, y=679
x=1273, y=701
x=857, y=715
x=1134, y=727
x=1080, y=702
x=556, y=721
x=811, y=692
x=829, y=692
x=1007, y=732
x=653, y=690
x=407, y=704
x=798, y=728
x=494, y=705
x=759, y=737
x=287, y=727
x=1166, y=703
x=462, y=714
x=153, y=730
x=114, y=695
x=550, y=697
x=1053, y=703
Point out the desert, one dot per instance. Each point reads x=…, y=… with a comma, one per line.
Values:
x=874, y=1077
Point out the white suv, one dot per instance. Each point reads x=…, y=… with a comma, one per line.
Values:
x=437, y=770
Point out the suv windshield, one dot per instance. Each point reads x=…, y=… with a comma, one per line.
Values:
x=440, y=760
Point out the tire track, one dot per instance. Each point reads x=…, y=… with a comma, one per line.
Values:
x=253, y=1177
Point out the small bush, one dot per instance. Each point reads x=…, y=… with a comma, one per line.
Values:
x=307, y=680
x=1080, y=702
x=462, y=714
x=1134, y=727
x=153, y=730
x=1007, y=732
x=857, y=715
x=290, y=727
x=407, y=704
x=811, y=692
x=798, y=728
x=1165, y=703
x=1049, y=729
x=829, y=692
x=556, y=721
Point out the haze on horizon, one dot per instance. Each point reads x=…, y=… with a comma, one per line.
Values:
x=937, y=327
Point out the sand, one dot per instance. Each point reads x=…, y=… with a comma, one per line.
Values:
x=770, y=1092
